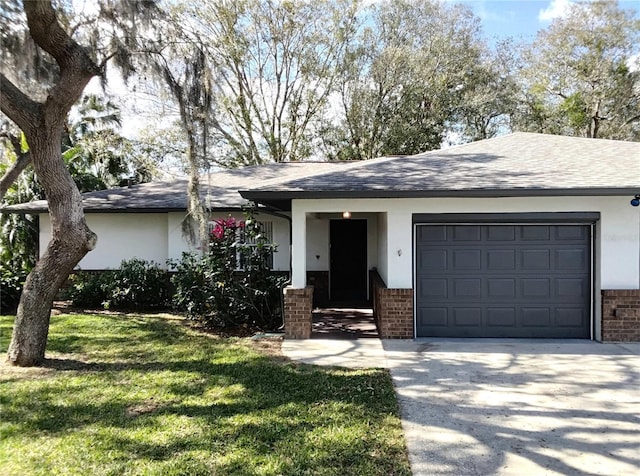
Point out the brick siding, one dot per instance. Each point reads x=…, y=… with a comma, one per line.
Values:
x=392, y=310
x=297, y=312
x=621, y=315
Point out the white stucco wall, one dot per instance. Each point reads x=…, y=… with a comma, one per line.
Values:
x=152, y=236
x=176, y=242
x=617, y=242
x=317, y=244
x=120, y=236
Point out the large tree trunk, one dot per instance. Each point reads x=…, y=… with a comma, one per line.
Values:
x=71, y=240
x=42, y=124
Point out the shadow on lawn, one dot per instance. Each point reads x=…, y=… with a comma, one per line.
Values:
x=237, y=403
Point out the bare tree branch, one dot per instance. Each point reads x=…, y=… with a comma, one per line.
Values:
x=49, y=35
x=17, y=105
x=76, y=66
x=22, y=162
x=14, y=171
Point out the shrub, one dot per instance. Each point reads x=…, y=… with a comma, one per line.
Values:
x=90, y=290
x=137, y=284
x=10, y=289
x=231, y=285
x=190, y=283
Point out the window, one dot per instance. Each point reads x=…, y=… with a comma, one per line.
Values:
x=266, y=230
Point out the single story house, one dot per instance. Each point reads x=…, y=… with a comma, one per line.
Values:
x=523, y=235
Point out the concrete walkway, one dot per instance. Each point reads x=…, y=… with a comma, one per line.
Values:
x=352, y=353
x=506, y=407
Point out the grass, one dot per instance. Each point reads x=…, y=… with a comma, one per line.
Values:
x=133, y=394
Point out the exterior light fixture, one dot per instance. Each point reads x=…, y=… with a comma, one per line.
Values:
x=635, y=201
x=347, y=215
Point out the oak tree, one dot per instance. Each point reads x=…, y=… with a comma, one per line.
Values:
x=404, y=78
x=39, y=109
x=581, y=76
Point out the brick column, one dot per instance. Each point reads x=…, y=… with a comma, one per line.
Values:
x=392, y=310
x=297, y=312
x=621, y=315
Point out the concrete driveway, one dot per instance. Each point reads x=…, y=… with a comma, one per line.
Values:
x=496, y=407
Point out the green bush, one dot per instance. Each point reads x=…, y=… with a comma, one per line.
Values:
x=10, y=289
x=214, y=289
x=137, y=284
x=190, y=282
x=90, y=290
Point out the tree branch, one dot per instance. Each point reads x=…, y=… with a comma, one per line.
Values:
x=76, y=66
x=17, y=105
x=13, y=172
x=49, y=35
x=632, y=119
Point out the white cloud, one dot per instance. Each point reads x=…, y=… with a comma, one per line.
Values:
x=633, y=63
x=505, y=16
x=555, y=9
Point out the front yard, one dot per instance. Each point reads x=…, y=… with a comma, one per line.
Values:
x=124, y=394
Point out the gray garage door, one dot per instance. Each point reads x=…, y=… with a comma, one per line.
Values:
x=503, y=281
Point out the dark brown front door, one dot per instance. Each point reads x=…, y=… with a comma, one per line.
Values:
x=348, y=267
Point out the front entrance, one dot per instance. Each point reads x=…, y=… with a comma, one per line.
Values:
x=343, y=323
x=348, y=262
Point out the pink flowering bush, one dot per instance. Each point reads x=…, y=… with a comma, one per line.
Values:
x=232, y=283
x=223, y=228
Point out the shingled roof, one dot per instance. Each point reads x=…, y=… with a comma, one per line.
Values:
x=219, y=190
x=518, y=164
x=511, y=165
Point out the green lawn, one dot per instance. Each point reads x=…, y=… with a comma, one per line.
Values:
x=150, y=395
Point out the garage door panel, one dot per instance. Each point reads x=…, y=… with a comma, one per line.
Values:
x=467, y=316
x=535, y=259
x=501, y=317
x=432, y=259
x=536, y=287
x=570, y=317
x=433, y=316
x=571, y=259
x=501, y=288
x=467, y=260
x=501, y=260
x=501, y=233
x=571, y=233
x=535, y=317
x=504, y=281
x=535, y=233
x=432, y=233
x=577, y=288
x=465, y=233
x=434, y=288
x=467, y=288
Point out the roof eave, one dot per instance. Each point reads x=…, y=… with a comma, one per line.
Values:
x=35, y=211
x=285, y=196
x=517, y=192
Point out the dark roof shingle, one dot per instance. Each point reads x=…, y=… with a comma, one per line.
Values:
x=514, y=164
x=519, y=161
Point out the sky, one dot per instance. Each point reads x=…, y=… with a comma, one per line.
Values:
x=522, y=19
